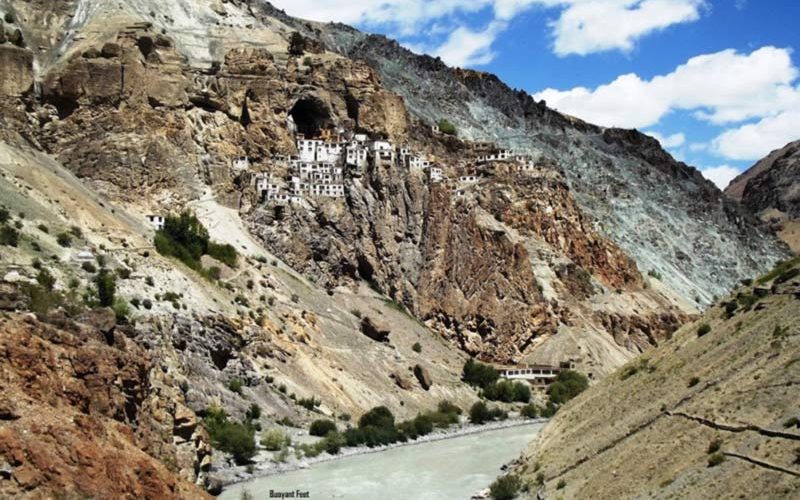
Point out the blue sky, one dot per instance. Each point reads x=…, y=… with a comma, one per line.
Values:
x=717, y=81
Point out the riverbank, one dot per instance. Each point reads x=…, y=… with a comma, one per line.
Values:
x=452, y=467
x=264, y=466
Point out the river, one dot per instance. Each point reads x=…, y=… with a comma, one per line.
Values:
x=450, y=469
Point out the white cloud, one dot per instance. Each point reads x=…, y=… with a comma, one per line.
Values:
x=756, y=140
x=465, y=47
x=669, y=141
x=721, y=175
x=724, y=87
x=599, y=25
x=582, y=26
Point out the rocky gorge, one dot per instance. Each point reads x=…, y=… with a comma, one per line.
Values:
x=115, y=111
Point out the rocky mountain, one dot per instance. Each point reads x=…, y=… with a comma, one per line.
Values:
x=715, y=405
x=770, y=189
x=526, y=236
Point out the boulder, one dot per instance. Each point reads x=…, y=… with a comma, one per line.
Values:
x=111, y=50
x=423, y=376
x=16, y=71
x=401, y=381
x=376, y=332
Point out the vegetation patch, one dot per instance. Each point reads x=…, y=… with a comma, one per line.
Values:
x=322, y=427
x=505, y=487
x=231, y=437
x=566, y=386
x=186, y=239
x=780, y=269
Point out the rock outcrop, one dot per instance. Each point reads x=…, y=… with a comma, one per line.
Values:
x=84, y=415
x=770, y=189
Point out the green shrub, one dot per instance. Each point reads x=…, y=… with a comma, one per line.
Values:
x=505, y=487
x=147, y=303
x=703, y=329
x=106, y=285
x=121, y=310
x=43, y=228
x=530, y=410
x=332, y=443
x=5, y=215
x=791, y=422
x=223, y=253
x=730, y=308
x=274, y=439
x=379, y=417
x=715, y=459
x=416, y=347
x=64, y=239
x=235, y=385
x=234, y=438
x=549, y=410
x=693, y=382
x=310, y=404
x=124, y=273
x=561, y=484
x=714, y=445
x=478, y=374
x=446, y=406
x=253, y=413
x=322, y=427
x=479, y=413
x=356, y=313
x=89, y=267
x=42, y=300
x=46, y=280
x=446, y=127
x=422, y=425
x=149, y=281
x=566, y=386
x=9, y=236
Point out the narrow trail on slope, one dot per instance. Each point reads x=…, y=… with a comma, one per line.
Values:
x=736, y=428
x=761, y=463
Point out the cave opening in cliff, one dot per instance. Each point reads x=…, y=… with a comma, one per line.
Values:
x=311, y=117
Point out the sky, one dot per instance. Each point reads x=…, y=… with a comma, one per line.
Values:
x=717, y=82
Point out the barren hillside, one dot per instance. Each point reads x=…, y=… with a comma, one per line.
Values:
x=712, y=413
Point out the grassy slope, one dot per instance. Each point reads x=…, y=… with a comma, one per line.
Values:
x=639, y=437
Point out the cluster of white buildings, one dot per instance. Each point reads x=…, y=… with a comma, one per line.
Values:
x=318, y=169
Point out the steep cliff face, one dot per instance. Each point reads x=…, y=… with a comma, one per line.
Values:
x=85, y=411
x=770, y=189
x=130, y=107
x=661, y=212
x=705, y=409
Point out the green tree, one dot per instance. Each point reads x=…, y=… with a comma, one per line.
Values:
x=478, y=374
x=566, y=386
x=297, y=44
x=106, y=284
